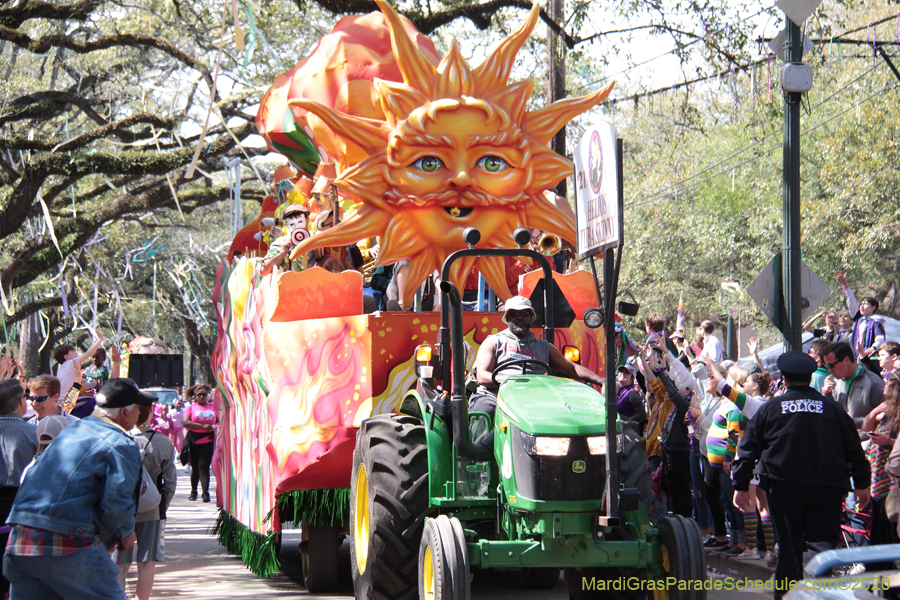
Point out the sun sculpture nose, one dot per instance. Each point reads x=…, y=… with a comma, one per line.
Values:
x=462, y=179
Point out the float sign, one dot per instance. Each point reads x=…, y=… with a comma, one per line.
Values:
x=597, y=191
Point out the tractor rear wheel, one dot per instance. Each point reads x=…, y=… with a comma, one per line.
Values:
x=635, y=467
x=683, y=558
x=388, y=506
x=320, y=557
x=443, y=561
x=540, y=578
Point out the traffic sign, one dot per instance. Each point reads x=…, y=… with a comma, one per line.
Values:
x=776, y=44
x=766, y=291
x=798, y=10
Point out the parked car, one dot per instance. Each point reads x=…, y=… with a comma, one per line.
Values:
x=164, y=395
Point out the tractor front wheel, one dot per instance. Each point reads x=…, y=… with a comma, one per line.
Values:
x=443, y=561
x=388, y=506
x=683, y=558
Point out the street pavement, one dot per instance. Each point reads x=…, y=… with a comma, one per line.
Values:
x=196, y=566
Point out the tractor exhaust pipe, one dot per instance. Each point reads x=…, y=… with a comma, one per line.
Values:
x=459, y=406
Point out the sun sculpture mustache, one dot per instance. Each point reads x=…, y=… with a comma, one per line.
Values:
x=457, y=148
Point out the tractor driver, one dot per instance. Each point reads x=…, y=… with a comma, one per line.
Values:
x=516, y=342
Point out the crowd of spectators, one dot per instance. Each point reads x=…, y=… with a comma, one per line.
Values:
x=695, y=440
x=692, y=404
x=79, y=451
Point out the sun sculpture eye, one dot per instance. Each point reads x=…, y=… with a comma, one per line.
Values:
x=429, y=164
x=492, y=164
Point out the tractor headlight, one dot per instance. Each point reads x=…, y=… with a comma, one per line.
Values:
x=597, y=444
x=545, y=446
x=593, y=317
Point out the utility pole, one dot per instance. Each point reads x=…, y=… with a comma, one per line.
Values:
x=790, y=255
x=556, y=79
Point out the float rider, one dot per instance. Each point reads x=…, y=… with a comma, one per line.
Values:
x=296, y=217
x=517, y=342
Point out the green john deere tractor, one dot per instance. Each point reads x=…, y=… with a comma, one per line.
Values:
x=438, y=491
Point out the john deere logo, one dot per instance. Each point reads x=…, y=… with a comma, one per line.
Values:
x=578, y=466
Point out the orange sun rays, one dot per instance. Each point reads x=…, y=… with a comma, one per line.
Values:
x=392, y=208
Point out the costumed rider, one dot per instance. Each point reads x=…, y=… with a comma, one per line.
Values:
x=808, y=450
x=296, y=217
x=516, y=342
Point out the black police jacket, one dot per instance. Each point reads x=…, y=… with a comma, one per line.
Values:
x=802, y=437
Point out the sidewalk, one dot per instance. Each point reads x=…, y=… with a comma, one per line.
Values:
x=732, y=567
x=196, y=566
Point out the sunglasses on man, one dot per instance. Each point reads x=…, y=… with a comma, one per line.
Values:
x=38, y=398
x=830, y=366
x=517, y=314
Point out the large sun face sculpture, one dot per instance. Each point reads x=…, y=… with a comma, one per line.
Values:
x=457, y=149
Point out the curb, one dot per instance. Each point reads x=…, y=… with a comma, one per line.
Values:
x=732, y=567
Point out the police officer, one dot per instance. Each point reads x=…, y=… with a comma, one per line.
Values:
x=804, y=443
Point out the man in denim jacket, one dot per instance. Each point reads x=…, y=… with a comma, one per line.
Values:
x=77, y=502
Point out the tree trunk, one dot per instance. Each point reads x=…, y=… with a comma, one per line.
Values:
x=556, y=80
x=199, y=350
x=30, y=340
x=55, y=332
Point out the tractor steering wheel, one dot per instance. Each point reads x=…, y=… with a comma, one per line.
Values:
x=515, y=363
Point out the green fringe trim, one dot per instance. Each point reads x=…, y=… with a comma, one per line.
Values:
x=318, y=507
x=257, y=551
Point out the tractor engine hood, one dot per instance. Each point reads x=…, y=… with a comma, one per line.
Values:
x=542, y=404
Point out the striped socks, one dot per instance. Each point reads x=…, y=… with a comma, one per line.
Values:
x=768, y=531
x=751, y=521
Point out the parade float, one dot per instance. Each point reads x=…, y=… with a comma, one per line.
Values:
x=422, y=147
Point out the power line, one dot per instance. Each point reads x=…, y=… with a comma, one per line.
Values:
x=682, y=185
x=740, y=68
x=649, y=60
x=768, y=135
x=719, y=74
x=871, y=24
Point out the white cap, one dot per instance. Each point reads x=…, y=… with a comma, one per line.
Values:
x=518, y=303
x=51, y=426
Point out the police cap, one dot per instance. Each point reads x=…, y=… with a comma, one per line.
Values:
x=797, y=363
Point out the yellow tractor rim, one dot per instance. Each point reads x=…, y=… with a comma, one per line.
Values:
x=428, y=574
x=663, y=594
x=361, y=519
